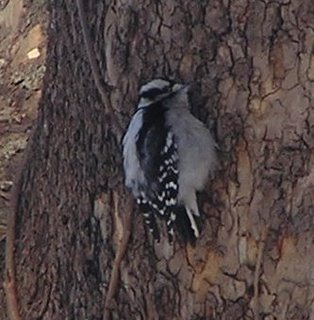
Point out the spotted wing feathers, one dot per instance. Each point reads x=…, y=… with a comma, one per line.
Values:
x=164, y=200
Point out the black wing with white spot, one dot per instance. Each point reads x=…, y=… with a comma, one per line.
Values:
x=163, y=200
x=148, y=213
x=159, y=161
x=168, y=182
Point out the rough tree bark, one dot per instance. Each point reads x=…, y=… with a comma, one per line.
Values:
x=254, y=65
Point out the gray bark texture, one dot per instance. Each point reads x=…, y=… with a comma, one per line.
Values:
x=252, y=64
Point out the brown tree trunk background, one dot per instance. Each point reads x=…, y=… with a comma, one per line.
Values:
x=253, y=63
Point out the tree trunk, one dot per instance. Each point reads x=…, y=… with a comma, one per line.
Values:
x=253, y=65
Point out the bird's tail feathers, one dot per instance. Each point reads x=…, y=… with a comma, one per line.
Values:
x=186, y=224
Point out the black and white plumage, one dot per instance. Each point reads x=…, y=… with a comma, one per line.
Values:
x=167, y=157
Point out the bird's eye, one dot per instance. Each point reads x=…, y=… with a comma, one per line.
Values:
x=155, y=92
x=151, y=93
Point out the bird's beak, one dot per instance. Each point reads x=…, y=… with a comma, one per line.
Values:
x=179, y=87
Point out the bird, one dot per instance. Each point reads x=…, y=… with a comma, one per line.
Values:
x=168, y=155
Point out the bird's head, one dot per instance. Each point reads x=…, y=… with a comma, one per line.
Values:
x=158, y=89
